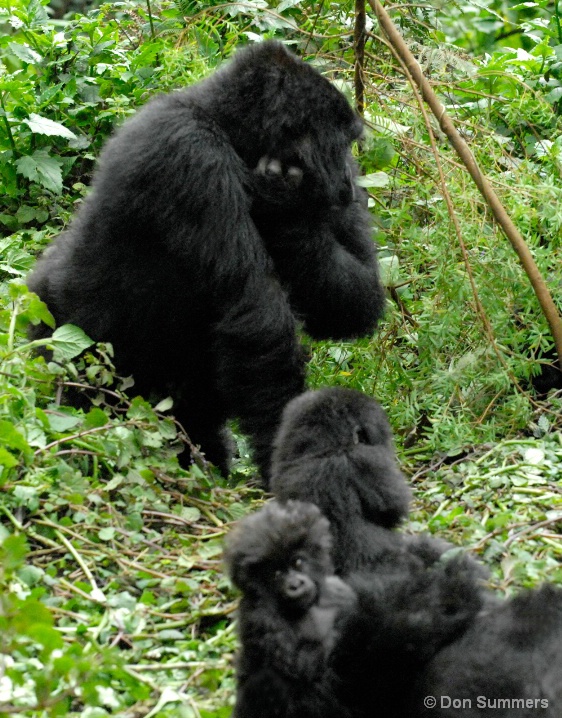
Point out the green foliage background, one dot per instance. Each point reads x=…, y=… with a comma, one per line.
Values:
x=112, y=598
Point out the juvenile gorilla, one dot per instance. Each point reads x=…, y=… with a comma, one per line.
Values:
x=334, y=449
x=313, y=646
x=216, y=214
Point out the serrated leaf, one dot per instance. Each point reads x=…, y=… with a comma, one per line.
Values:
x=42, y=168
x=25, y=214
x=68, y=342
x=27, y=167
x=44, y=126
x=95, y=418
x=544, y=423
x=25, y=53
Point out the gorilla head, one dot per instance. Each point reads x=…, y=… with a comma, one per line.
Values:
x=281, y=554
x=334, y=448
x=284, y=116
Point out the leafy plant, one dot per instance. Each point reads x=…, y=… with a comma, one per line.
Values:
x=113, y=599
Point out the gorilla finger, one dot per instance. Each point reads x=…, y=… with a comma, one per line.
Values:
x=294, y=176
x=273, y=168
x=261, y=167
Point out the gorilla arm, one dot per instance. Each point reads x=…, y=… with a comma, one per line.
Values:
x=327, y=260
x=284, y=674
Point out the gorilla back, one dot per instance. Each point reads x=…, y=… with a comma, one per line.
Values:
x=164, y=259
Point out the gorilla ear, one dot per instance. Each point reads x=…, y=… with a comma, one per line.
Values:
x=244, y=549
x=235, y=564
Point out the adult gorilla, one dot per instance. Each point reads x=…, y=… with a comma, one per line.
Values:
x=211, y=211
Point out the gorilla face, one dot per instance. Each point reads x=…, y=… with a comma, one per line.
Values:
x=288, y=113
x=281, y=556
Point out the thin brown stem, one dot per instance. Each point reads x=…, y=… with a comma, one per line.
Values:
x=542, y=293
x=359, y=39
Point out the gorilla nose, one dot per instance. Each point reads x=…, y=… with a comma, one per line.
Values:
x=295, y=586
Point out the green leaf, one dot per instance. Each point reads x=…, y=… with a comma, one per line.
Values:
x=45, y=635
x=390, y=270
x=190, y=513
x=25, y=53
x=60, y=423
x=6, y=459
x=9, y=436
x=9, y=221
x=107, y=534
x=95, y=418
x=37, y=311
x=374, y=179
x=42, y=168
x=25, y=214
x=13, y=551
x=381, y=153
x=164, y=405
x=68, y=342
x=44, y=126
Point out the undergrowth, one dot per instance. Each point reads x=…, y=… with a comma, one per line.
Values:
x=112, y=596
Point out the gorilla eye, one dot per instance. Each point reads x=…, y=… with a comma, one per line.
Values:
x=298, y=563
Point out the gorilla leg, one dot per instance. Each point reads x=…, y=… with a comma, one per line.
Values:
x=260, y=364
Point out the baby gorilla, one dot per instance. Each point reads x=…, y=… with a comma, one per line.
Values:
x=217, y=216
x=279, y=558
x=334, y=449
x=313, y=646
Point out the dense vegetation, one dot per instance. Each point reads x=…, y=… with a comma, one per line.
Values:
x=112, y=599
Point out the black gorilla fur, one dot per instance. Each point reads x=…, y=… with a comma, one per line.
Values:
x=279, y=558
x=511, y=655
x=348, y=649
x=334, y=449
x=422, y=624
x=216, y=215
